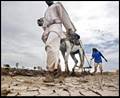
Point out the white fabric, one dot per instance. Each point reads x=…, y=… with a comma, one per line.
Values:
x=65, y=18
x=52, y=49
x=54, y=17
x=57, y=12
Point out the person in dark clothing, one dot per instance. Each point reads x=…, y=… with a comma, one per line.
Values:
x=96, y=55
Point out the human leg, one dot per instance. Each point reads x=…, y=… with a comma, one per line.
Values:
x=100, y=67
x=52, y=50
x=95, y=67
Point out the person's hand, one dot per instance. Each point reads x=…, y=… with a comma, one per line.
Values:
x=40, y=22
x=90, y=66
x=105, y=60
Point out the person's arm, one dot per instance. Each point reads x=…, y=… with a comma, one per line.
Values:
x=103, y=57
x=92, y=57
x=63, y=15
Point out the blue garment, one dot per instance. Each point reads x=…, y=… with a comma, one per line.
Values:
x=97, y=57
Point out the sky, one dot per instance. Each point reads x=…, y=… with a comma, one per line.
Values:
x=97, y=23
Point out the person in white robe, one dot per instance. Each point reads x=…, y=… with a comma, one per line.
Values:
x=54, y=17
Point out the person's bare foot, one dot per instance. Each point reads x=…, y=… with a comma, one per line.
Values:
x=49, y=77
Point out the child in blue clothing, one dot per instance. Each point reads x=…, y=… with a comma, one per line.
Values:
x=96, y=55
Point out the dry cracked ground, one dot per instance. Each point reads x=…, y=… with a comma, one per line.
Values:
x=106, y=85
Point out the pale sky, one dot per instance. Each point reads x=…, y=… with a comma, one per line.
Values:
x=97, y=22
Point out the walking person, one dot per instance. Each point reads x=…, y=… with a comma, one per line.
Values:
x=96, y=55
x=54, y=17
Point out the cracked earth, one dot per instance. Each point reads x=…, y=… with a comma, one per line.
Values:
x=105, y=85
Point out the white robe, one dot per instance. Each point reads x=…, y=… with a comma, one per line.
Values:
x=54, y=17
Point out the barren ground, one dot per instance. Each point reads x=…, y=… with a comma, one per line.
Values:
x=105, y=85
